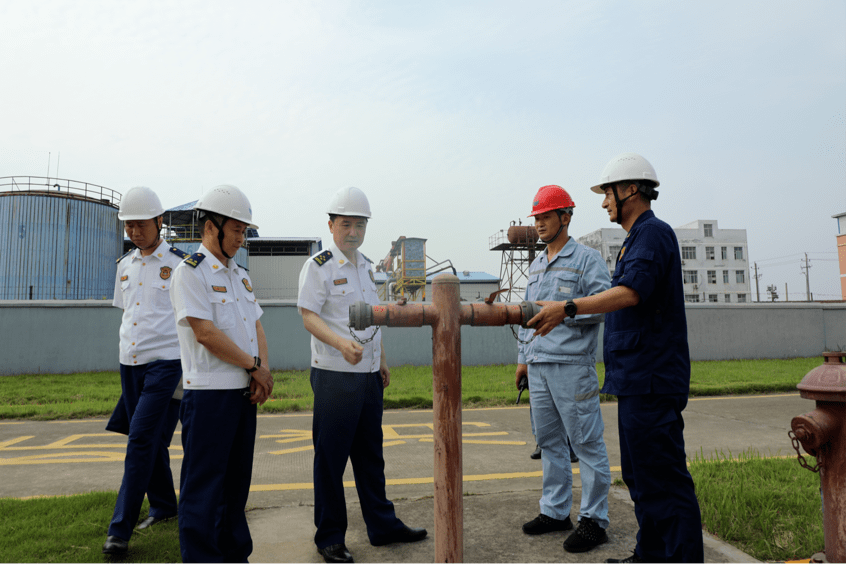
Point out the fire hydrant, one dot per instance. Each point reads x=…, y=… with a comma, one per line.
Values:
x=446, y=315
x=822, y=433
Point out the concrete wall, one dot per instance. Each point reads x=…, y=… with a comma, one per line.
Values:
x=82, y=336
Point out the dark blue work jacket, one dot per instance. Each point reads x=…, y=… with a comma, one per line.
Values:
x=645, y=346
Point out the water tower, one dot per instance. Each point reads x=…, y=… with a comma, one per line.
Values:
x=519, y=247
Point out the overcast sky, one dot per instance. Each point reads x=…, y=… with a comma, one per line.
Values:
x=449, y=115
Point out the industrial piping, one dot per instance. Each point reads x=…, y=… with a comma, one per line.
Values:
x=446, y=315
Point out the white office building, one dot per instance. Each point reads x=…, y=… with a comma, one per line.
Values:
x=715, y=262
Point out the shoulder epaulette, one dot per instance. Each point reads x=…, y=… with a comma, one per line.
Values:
x=124, y=255
x=179, y=252
x=194, y=260
x=323, y=257
x=365, y=258
x=242, y=266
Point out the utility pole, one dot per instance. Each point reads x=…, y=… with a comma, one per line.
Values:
x=757, y=276
x=807, y=269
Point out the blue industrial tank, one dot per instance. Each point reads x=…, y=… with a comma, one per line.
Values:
x=58, y=239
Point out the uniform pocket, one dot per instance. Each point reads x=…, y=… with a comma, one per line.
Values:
x=565, y=286
x=223, y=310
x=161, y=296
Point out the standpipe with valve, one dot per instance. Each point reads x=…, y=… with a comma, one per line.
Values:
x=446, y=316
x=822, y=433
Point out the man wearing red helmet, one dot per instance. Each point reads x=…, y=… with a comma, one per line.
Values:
x=647, y=363
x=561, y=367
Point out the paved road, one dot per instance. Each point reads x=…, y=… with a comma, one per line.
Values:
x=501, y=483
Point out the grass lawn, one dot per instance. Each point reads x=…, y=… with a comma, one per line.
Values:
x=769, y=508
x=66, y=396
x=73, y=529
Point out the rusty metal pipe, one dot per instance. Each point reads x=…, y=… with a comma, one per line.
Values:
x=445, y=315
x=446, y=404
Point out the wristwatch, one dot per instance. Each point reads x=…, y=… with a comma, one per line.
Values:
x=570, y=309
x=255, y=366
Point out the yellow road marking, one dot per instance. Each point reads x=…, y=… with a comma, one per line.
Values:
x=410, y=481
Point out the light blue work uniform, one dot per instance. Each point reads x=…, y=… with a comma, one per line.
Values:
x=564, y=386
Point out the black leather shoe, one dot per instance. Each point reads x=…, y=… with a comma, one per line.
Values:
x=633, y=558
x=336, y=553
x=150, y=521
x=543, y=524
x=406, y=534
x=537, y=454
x=115, y=545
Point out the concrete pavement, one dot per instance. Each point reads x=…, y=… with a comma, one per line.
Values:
x=501, y=487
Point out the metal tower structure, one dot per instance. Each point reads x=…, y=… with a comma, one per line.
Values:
x=519, y=247
x=407, y=270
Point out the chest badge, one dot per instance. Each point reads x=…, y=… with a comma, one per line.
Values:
x=622, y=251
x=124, y=278
x=221, y=289
x=339, y=281
x=164, y=272
x=247, y=284
x=372, y=279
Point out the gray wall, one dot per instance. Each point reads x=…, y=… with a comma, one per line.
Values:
x=82, y=336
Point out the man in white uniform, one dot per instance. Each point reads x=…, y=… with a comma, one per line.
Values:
x=149, y=369
x=348, y=375
x=225, y=374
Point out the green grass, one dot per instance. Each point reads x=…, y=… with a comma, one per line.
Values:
x=66, y=396
x=73, y=529
x=769, y=508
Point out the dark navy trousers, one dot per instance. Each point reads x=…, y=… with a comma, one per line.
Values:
x=654, y=467
x=147, y=412
x=347, y=425
x=218, y=438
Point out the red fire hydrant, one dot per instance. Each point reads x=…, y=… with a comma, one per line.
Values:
x=445, y=315
x=822, y=433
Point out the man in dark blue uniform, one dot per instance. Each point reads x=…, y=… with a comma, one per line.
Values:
x=647, y=364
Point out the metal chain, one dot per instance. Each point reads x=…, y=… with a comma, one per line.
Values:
x=365, y=341
x=519, y=340
x=802, y=462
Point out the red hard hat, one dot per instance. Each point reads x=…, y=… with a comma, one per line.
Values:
x=551, y=198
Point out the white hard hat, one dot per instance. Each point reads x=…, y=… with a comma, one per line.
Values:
x=139, y=203
x=349, y=201
x=628, y=166
x=227, y=201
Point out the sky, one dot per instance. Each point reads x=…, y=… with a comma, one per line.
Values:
x=448, y=115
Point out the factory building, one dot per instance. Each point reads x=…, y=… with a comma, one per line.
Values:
x=715, y=262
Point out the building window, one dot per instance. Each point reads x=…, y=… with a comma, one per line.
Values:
x=689, y=253
x=728, y=298
x=724, y=252
x=712, y=277
x=712, y=298
x=738, y=253
x=692, y=298
x=690, y=276
x=613, y=251
x=709, y=230
x=725, y=276
x=741, y=276
x=741, y=298
x=709, y=253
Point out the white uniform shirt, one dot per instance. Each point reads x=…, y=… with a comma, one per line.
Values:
x=142, y=291
x=222, y=294
x=328, y=287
